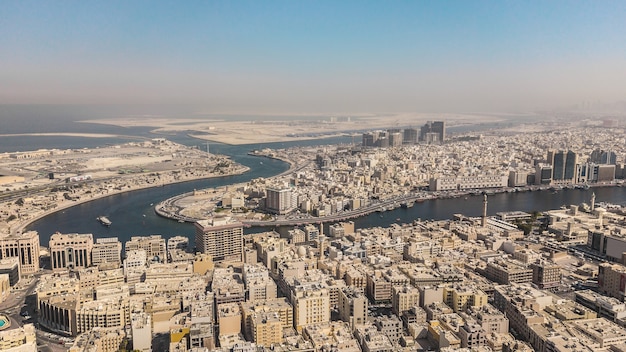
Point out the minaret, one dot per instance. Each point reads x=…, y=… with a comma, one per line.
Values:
x=484, y=219
x=593, y=201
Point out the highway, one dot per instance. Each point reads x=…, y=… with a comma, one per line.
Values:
x=342, y=216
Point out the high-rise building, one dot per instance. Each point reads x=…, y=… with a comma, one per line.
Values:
x=410, y=136
x=279, y=200
x=223, y=239
x=571, y=160
x=543, y=174
x=370, y=139
x=433, y=132
x=70, y=251
x=603, y=157
x=563, y=165
x=395, y=139
x=25, y=246
x=383, y=140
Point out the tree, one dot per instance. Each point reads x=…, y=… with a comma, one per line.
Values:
x=527, y=228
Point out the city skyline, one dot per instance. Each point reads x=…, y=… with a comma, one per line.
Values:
x=317, y=57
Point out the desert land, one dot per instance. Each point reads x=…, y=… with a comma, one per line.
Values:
x=222, y=129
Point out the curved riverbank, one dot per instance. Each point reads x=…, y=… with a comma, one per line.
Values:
x=72, y=203
x=132, y=213
x=169, y=210
x=172, y=211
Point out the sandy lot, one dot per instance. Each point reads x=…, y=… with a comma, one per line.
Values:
x=267, y=130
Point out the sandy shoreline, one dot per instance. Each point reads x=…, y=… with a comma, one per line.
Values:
x=86, y=135
x=19, y=228
x=262, y=129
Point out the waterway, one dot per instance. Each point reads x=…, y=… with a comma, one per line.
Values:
x=133, y=214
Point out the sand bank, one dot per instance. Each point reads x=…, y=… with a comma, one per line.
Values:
x=264, y=129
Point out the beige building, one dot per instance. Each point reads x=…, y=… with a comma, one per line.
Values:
x=612, y=280
x=259, y=285
x=99, y=340
x=378, y=289
x=355, y=278
x=229, y=319
x=311, y=305
x=141, y=327
x=404, y=298
x=545, y=274
x=58, y=313
x=70, y=251
x=24, y=246
x=461, y=297
x=280, y=306
x=177, y=242
x=228, y=286
x=472, y=336
x=267, y=329
x=107, y=250
x=154, y=245
x=5, y=287
x=223, y=239
x=11, y=267
x=22, y=339
x=491, y=319
x=507, y=272
x=372, y=340
x=202, y=263
x=107, y=313
x=333, y=336
x=602, y=332
x=296, y=236
x=352, y=306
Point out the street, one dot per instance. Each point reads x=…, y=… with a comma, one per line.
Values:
x=20, y=307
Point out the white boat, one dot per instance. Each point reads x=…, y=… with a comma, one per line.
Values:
x=104, y=220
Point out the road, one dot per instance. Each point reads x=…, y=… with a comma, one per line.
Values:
x=22, y=301
x=379, y=206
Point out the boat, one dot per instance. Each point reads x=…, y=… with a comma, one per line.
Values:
x=104, y=220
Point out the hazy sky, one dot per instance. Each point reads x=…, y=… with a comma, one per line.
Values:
x=315, y=56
